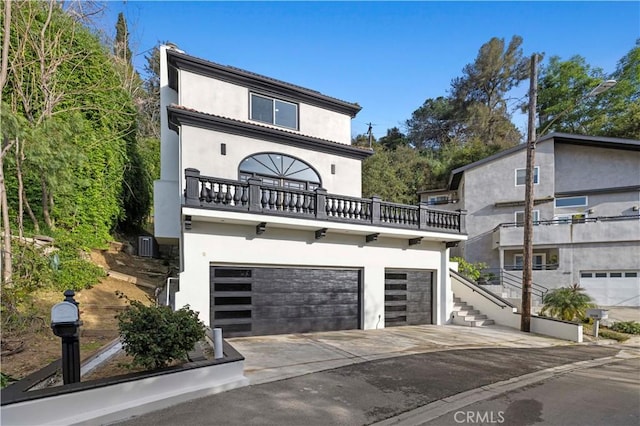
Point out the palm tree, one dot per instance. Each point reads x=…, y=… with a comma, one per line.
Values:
x=567, y=303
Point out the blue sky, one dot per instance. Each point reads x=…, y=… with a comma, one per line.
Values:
x=387, y=56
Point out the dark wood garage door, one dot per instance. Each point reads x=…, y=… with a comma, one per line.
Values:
x=260, y=301
x=407, y=297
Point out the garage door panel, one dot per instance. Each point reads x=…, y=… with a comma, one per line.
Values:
x=286, y=300
x=612, y=288
x=303, y=325
x=278, y=299
x=408, y=297
x=293, y=312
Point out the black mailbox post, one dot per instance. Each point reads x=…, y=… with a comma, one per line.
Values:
x=65, y=322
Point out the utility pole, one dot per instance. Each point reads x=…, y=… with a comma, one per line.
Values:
x=527, y=248
x=370, y=133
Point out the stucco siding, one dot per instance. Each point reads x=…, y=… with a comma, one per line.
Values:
x=211, y=96
x=495, y=182
x=585, y=167
x=201, y=150
x=223, y=244
x=614, y=204
x=574, y=258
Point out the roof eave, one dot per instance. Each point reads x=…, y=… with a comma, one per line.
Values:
x=179, y=116
x=182, y=61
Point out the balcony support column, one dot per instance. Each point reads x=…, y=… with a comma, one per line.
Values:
x=424, y=211
x=192, y=187
x=321, y=203
x=462, y=221
x=254, y=195
x=375, y=210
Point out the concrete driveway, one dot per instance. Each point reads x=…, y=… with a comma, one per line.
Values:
x=401, y=390
x=270, y=358
x=622, y=313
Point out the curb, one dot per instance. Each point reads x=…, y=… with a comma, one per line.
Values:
x=443, y=406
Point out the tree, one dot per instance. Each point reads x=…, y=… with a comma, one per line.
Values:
x=474, y=120
x=7, y=264
x=622, y=102
x=137, y=185
x=363, y=141
x=479, y=95
x=562, y=102
x=433, y=125
x=149, y=124
x=393, y=139
x=567, y=303
x=395, y=174
x=121, y=48
x=73, y=119
x=563, y=105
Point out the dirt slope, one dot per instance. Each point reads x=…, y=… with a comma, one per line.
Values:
x=98, y=307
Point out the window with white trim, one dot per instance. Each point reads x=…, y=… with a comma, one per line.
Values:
x=273, y=111
x=569, y=202
x=521, y=176
x=519, y=217
x=539, y=261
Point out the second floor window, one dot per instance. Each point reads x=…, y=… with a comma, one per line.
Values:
x=274, y=111
x=571, y=202
x=519, y=216
x=521, y=176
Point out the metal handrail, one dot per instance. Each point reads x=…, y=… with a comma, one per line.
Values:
x=482, y=291
x=568, y=221
x=505, y=278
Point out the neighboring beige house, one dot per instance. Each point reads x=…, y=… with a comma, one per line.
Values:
x=587, y=197
x=260, y=188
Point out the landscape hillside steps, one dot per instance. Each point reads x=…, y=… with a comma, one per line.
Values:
x=130, y=279
x=470, y=317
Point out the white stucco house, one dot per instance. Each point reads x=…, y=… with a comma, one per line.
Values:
x=261, y=190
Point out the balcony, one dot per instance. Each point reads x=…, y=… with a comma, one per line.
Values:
x=254, y=197
x=582, y=230
x=535, y=267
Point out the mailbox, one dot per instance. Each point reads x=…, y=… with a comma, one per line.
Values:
x=598, y=314
x=65, y=323
x=65, y=319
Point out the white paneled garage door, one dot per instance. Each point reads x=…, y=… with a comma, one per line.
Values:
x=612, y=288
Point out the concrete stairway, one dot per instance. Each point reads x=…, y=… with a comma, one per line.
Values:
x=464, y=314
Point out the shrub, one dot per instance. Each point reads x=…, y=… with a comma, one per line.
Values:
x=608, y=334
x=629, y=327
x=472, y=271
x=6, y=380
x=156, y=335
x=567, y=303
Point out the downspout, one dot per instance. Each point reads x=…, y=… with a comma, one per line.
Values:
x=168, y=288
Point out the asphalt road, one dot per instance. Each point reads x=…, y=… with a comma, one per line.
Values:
x=607, y=395
x=373, y=391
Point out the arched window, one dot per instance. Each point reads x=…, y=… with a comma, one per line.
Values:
x=280, y=170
